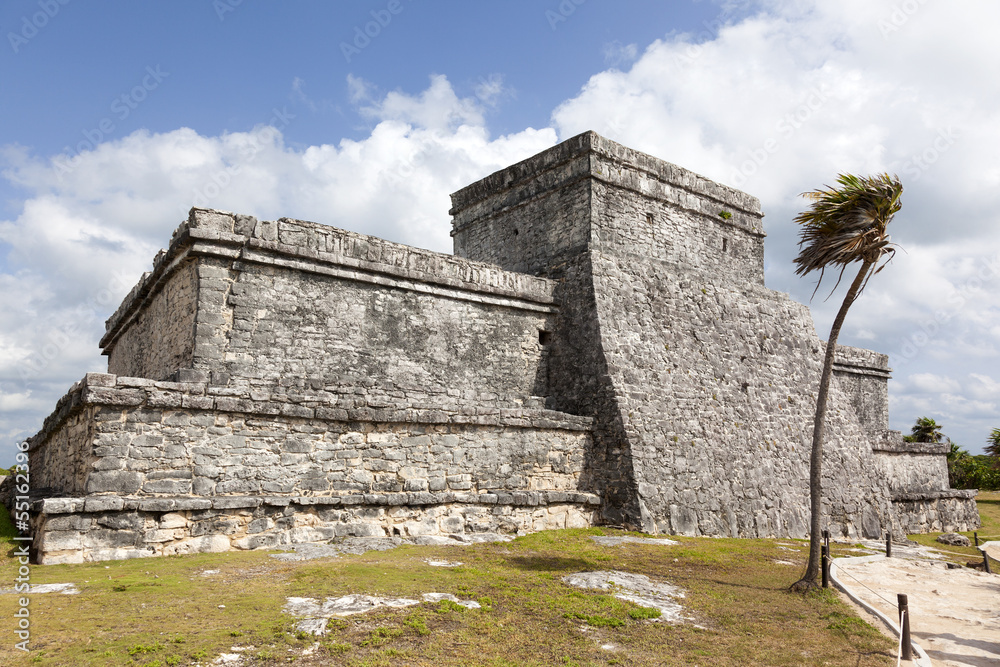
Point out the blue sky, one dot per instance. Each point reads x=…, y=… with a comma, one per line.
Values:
x=117, y=118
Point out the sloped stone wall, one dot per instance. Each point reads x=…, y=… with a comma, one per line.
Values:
x=719, y=411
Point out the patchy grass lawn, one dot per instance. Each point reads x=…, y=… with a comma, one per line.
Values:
x=169, y=611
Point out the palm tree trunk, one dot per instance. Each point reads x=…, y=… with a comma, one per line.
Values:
x=816, y=458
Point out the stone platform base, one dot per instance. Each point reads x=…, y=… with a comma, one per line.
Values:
x=947, y=511
x=76, y=530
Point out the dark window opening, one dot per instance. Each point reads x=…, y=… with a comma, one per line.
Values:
x=725, y=245
x=544, y=337
x=515, y=231
x=649, y=218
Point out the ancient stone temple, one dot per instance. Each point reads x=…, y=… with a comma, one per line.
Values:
x=601, y=348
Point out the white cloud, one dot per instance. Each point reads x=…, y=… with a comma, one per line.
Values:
x=985, y=388
x=929, y=383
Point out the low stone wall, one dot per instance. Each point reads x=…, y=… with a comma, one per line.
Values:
x=951, y=510
x=913, y=467
x=76, y=530
x=242, y=468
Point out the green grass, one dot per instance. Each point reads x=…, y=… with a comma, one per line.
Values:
x=141, y=612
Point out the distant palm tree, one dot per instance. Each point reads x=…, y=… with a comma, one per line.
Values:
x=926, y=430
x=843, y=225
x=993, y=444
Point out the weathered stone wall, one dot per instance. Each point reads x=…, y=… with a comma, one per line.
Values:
x=701, y=382
x=913, y=467
x=158, y=339
x=296, y=299
x=650, y=211
x=952, y=510
x=863, y=375
x=76, y=530
x=589, y=191
x=373, y=463
x=139, y=437
x=286, y=324
x=719, y=413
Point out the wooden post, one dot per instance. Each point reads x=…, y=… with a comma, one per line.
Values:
x=986, y=562
x=826, y=538
x=904, y=626
x=826, y=566
x=975, y=536
x=888, y=545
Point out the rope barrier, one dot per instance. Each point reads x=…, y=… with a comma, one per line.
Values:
x=861, y=583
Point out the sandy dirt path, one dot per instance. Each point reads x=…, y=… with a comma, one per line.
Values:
x=954, y=614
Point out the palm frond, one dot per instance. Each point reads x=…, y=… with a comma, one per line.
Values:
x=848, y=223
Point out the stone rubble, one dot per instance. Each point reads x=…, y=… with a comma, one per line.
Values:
x=316, y=615
x=637, y=588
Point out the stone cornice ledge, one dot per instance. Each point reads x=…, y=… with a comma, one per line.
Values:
x=943, y=494
x=903, y=447
x=127, y=392
x=111, y=503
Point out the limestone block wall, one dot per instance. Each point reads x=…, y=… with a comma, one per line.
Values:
x=121, y=454
x=535, y=215
x=863, y=375
x=159, y=337
x=942, y=512
x=531, y=216
x=700, y=380
x=719, y=413
x=77, y=530
x=295, y=299
x=131, y=436
x=913, y=467
x=656, y=210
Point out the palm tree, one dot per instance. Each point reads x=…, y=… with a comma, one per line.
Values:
x=993, y=444
x=926, y=430
x=842, y=226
